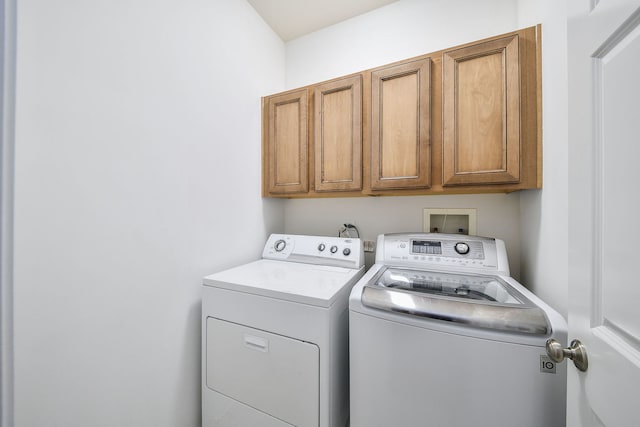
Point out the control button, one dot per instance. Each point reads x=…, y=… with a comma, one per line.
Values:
x=321, y=247
x=333, y=249
x=280, y=245
x=346, y=251
x=462, y=248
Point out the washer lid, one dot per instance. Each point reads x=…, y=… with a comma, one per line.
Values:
x=317, y=285
x=481, y=301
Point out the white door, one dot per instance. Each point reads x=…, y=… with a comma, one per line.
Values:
x=604, y=210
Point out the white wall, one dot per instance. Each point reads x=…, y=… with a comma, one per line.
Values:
x=137, y=173
x=544, y=264
x=400, y=30
x=498, y=215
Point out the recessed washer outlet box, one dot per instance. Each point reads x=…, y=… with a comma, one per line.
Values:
x=450, y=220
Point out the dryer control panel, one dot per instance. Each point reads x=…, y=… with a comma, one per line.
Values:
x=324, y=250
x=443, y=251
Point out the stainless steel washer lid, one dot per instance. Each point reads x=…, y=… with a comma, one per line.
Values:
x=480, y=301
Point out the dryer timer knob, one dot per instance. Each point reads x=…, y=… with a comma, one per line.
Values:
x=280, y=245
x=462, y=248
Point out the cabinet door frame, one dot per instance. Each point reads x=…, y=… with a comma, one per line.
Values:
x=422, y=178
x=299, y=157
x=509, y=170
x=352, y=179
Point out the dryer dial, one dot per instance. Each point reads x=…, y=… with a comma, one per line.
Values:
x=280, y=245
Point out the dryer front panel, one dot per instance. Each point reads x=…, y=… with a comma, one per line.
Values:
x=272, y=373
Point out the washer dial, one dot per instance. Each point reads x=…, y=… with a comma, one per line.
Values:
x=462, y=248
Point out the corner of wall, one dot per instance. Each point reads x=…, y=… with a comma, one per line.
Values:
x=7, y=114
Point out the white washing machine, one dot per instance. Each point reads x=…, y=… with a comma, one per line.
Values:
x=441, y=335
x=275, y=335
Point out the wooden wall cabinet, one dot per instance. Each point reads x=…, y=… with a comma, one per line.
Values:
x=338, y=135
x=481, y=138
x=285, y=147
x=400, y=117
x=460, y=120
x=491, y=136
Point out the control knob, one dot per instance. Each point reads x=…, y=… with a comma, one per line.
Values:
x=280, y=245
x=321, y=247
x=462, y=248
x=333, y=249
x=346, y=251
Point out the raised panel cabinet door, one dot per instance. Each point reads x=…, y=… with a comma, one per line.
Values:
x=400, y=126
x=338, y=135
x=287, y=143
x=481, y=113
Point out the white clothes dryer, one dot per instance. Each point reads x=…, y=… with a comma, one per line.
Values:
x=275, y=335
x=441, y=335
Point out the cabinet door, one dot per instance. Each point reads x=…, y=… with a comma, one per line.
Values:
x=400, y=126
x=481, y=136
x=287, y=143
x=338, y=135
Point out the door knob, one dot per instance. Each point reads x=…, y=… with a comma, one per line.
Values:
x=576, y=352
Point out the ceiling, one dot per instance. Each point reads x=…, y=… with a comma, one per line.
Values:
x=294, y=18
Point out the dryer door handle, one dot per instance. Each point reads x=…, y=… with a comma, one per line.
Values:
x=256, y=343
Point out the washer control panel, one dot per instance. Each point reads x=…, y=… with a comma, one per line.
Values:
x=438, y=250
x=324, y=250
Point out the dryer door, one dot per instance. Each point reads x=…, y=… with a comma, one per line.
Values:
x=271, y=373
